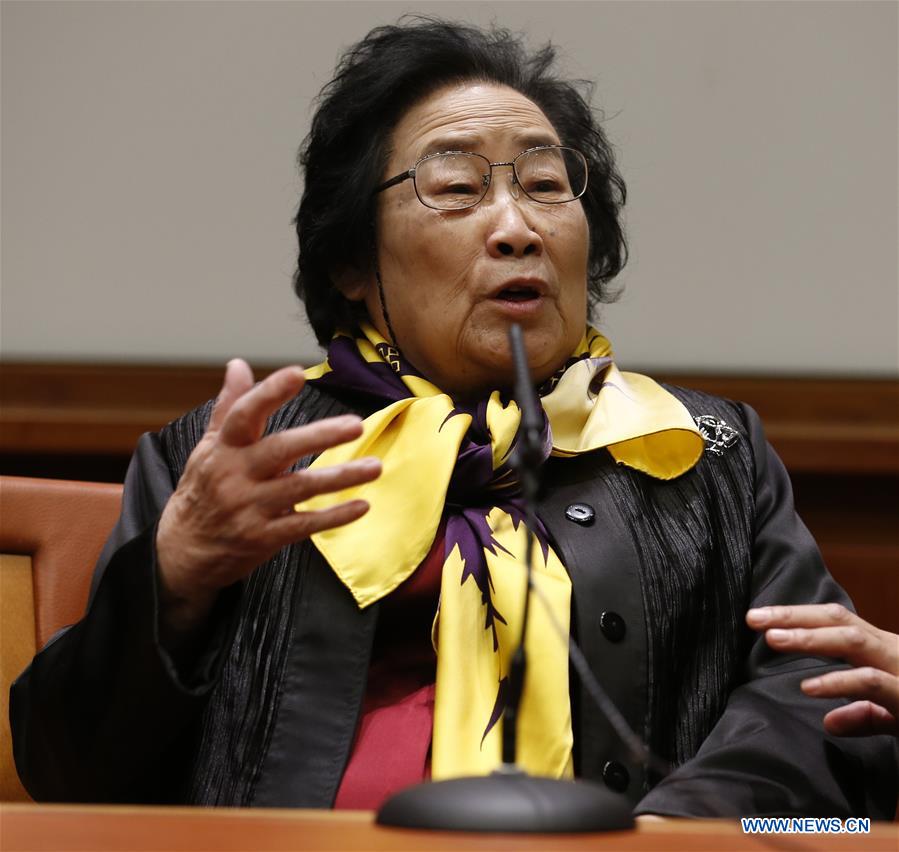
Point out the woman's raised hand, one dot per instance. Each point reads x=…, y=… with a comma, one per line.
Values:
x=233, y=507
x=831, y=630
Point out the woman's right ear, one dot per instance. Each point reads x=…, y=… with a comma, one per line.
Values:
x=352, y=282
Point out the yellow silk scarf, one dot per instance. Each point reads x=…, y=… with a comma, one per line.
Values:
x=418, y=438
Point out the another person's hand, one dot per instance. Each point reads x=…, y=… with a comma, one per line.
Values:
x=831, y=630
x=233, y=507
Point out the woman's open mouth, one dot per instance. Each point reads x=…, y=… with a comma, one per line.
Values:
x=518, y=294
x=519, y=300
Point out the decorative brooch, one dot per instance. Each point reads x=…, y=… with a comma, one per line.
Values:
x=717, y=434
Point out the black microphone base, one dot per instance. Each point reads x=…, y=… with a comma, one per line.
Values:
x=508, y=802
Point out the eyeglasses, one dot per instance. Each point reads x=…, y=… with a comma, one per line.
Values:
x=456, y=180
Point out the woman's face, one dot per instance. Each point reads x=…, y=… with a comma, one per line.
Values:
x=449, y=277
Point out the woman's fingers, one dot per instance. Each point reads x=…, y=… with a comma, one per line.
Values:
x=276, y=452
x=861, y=719
x=831, y=630
x=282, y=494
x=244, y=422
x=856, y=645
x=233, y=507
x=865, y=683
x=238, y=380
x=802, y=615
x=300, y=525
x=828, y=630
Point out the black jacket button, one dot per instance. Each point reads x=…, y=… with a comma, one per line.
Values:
x=612, y=626
x=580, y=513
x=616, y=776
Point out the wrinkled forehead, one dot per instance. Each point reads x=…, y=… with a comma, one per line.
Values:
x=470, y=116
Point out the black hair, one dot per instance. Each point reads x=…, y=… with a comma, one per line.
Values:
x=346, y=151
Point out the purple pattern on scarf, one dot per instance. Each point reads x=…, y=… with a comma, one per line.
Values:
x=499, y=706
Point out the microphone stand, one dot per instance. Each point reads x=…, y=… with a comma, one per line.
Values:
x=509, y=799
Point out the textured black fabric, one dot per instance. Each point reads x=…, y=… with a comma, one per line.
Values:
x=693, y=535
x=238, y=720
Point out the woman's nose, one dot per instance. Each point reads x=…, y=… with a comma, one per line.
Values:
x=510, y=231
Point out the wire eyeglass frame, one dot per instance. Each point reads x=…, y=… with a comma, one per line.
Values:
x=487, y=176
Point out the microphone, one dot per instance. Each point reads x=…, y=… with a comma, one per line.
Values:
x=509, y=799
x=526, y=459
x=528, y=452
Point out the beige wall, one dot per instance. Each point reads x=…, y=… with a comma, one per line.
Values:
x=148, y=177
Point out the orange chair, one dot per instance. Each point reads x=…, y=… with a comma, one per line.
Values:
x=51, y=533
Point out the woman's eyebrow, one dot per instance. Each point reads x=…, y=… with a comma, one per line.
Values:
x=457, y=142
x=536, y=139
x=471, y=142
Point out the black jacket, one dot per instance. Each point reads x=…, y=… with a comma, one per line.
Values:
x=662, y=575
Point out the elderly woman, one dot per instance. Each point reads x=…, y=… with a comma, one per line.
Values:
x=315, y=586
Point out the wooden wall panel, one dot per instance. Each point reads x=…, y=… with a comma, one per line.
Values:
x=833, y=425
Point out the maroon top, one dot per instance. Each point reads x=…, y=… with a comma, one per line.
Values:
x=393, y=740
